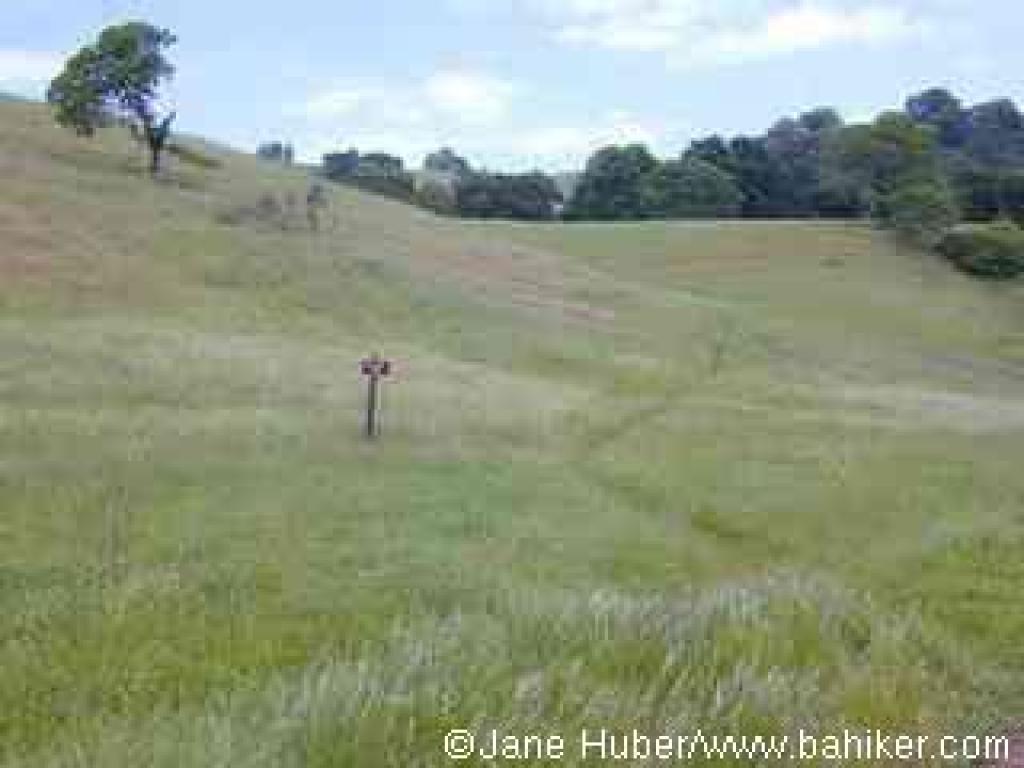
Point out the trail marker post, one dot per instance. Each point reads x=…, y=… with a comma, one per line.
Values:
x=374, y=368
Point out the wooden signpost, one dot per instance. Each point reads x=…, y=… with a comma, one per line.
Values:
x=374, y=368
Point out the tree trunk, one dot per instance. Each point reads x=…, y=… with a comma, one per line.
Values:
x=156, y=138
x=154, y=157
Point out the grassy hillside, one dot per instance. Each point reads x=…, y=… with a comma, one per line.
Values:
x=753, y=476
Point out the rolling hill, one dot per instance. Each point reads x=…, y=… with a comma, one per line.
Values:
x=744, y=476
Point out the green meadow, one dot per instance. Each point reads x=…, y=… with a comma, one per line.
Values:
x=749, y=477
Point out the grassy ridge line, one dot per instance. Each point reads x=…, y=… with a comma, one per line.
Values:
x=625, y=480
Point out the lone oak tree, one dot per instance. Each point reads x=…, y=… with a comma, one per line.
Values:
x=118, y=77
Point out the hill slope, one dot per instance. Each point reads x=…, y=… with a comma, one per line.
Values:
x=750, y=476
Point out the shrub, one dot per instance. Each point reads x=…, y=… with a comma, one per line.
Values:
x=994, y=250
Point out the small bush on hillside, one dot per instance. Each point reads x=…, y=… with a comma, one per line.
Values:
x=993, y=250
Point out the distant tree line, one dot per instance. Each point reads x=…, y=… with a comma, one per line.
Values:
x=921, y=171
x=448, y=185
x=935, y=160
x=630, y=183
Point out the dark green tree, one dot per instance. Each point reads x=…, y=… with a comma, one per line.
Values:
x=762, y=177
x=898, y=162
x=795, y=149
x=888, y=153
x=612, y=187
x=118, y=77
x=779, y=173
x=690, y=188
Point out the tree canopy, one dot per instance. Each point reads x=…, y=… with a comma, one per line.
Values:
x=118, y=77
x=614, y=184
x=918, y=171
x=690, y=188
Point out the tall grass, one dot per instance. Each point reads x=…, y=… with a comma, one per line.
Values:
x=744, y=477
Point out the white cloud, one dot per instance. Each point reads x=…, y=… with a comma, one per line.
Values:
x=628, y=25
x=569, y=145
x=514, y=145
x=807, y=27
x=481, y=115
x=19, y=66
x=461, y=96
x=330, y=104
x=470, y=96
x=448, y=106
x=697, y=32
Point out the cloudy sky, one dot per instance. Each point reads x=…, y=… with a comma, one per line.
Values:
x=532, y=83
